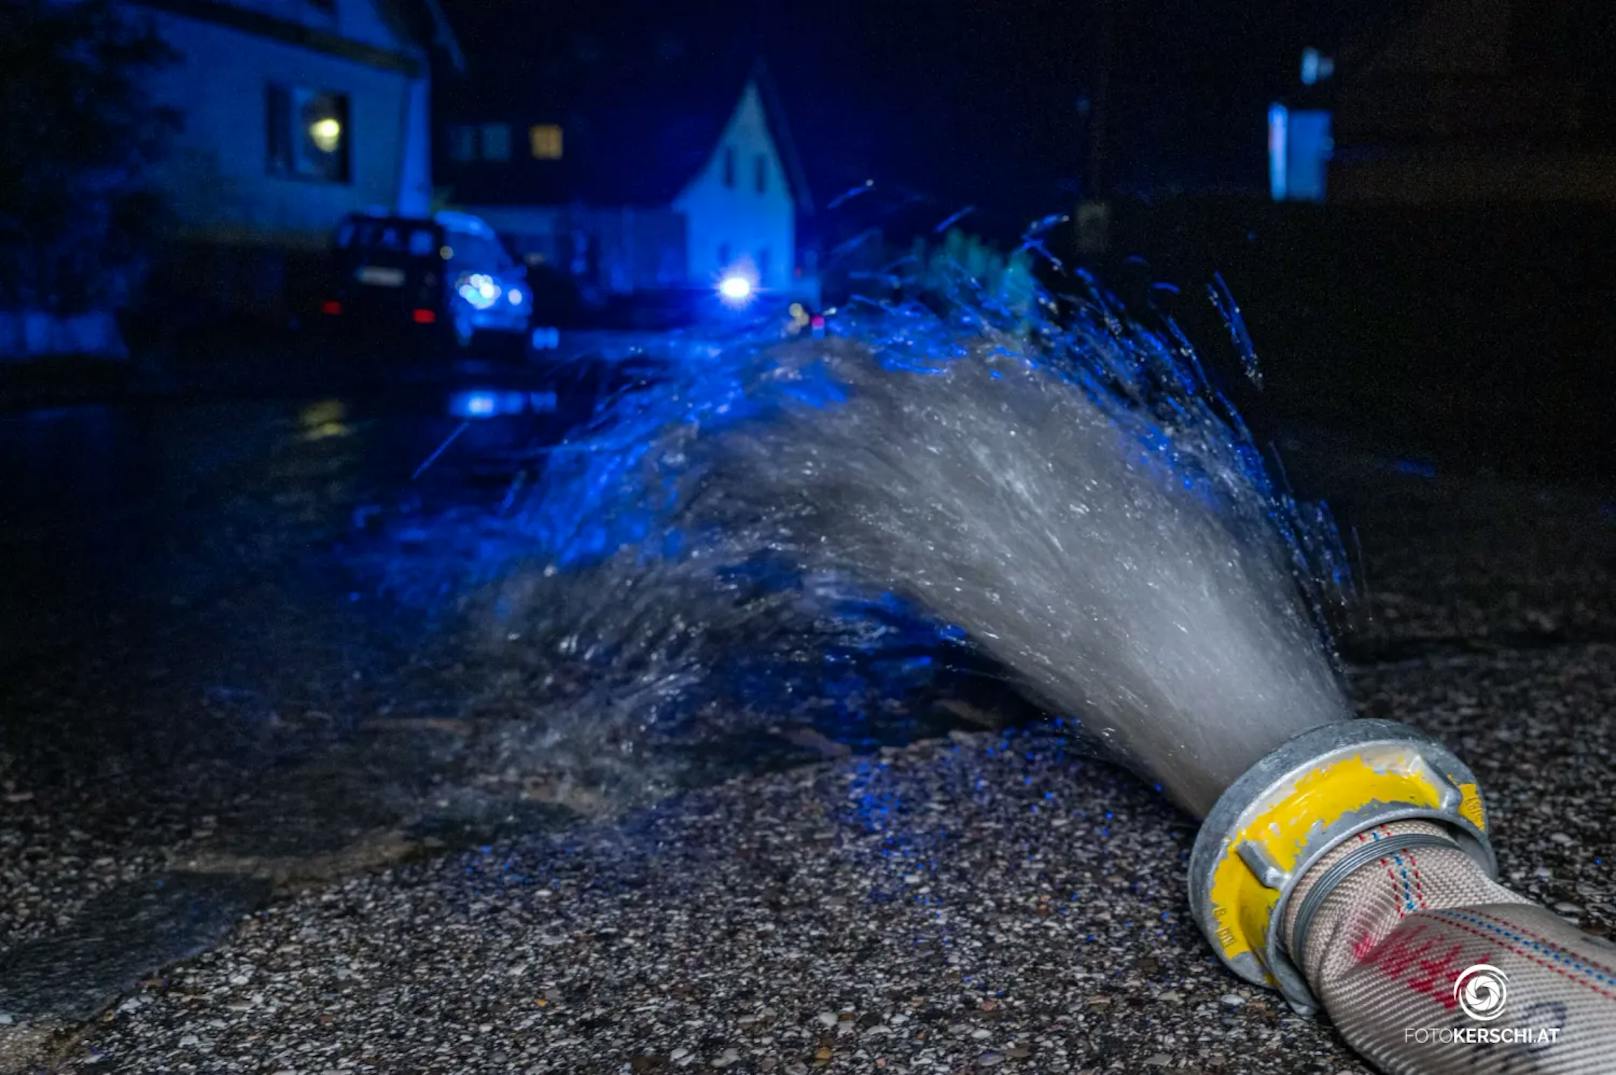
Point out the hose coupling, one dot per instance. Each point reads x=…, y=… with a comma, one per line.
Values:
x=1294, y=806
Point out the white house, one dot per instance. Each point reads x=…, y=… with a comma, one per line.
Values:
x=294, y=112
x=739, y=211
x=661, y=181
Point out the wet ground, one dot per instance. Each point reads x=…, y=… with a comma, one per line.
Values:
x=272, y=800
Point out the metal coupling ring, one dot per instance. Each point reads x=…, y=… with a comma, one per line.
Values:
x=1294, y=806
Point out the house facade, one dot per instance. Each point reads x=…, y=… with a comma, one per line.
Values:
x=740, y=215
x=692, y=181
x=292, y=113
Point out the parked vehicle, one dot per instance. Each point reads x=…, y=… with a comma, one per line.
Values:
x=441, y=278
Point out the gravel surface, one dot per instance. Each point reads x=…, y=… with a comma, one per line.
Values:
x=976, y=902
x=985, y=900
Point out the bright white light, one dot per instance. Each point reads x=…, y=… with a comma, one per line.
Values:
x=326, y=134
x=479, y=289
x=735, y=288
x=491, y=402
x=515, y=295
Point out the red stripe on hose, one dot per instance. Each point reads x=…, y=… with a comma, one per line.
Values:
x=1419, y=885
x=1518, y=928
x=1523, y=953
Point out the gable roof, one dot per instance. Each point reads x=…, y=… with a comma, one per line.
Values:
x=410, y=28
x=425, y=21
x=633, y=134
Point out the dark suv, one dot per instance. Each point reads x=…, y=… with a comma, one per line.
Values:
x=442, y=277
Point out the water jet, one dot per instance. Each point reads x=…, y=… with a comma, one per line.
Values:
x=1065, y=487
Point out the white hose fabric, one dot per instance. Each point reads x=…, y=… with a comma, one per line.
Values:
x=1391, y=952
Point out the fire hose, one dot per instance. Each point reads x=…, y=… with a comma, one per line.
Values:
x=1350, y=869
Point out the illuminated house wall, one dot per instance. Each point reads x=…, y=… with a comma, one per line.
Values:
x=738, y=209
x=292, y=114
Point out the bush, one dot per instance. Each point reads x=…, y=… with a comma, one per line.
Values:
x=963, y=265
x=78, y=134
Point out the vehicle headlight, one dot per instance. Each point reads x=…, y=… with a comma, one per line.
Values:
x=479, y=289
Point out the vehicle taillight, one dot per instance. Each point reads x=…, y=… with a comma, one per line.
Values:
x=423, y=316
x=331, y=307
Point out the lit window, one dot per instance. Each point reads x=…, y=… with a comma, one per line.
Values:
x=729, y=166
x=496, y=141
x=760, y=173
x=544, y=141
x=306, y=133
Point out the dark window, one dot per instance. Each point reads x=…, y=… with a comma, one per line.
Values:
x=480, y=142
x=760, y=173
x=307, y=133
x=496, y=141
x=462, y=142
x=723, y=255
x=763, y=262
x=729, y=166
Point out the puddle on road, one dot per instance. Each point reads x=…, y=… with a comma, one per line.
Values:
x=51, y=985
x=120, y=938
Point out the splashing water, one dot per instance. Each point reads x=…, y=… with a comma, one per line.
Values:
x=1053, y=485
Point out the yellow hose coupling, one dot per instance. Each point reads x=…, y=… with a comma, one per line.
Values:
x=1295, y=805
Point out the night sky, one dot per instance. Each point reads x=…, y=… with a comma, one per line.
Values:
x=983, y=104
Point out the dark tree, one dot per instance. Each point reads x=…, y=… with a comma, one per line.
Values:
x=78, y=133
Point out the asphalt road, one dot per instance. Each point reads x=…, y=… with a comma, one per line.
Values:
x=261, y=828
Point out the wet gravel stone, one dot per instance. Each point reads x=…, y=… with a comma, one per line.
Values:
x=967, y=903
